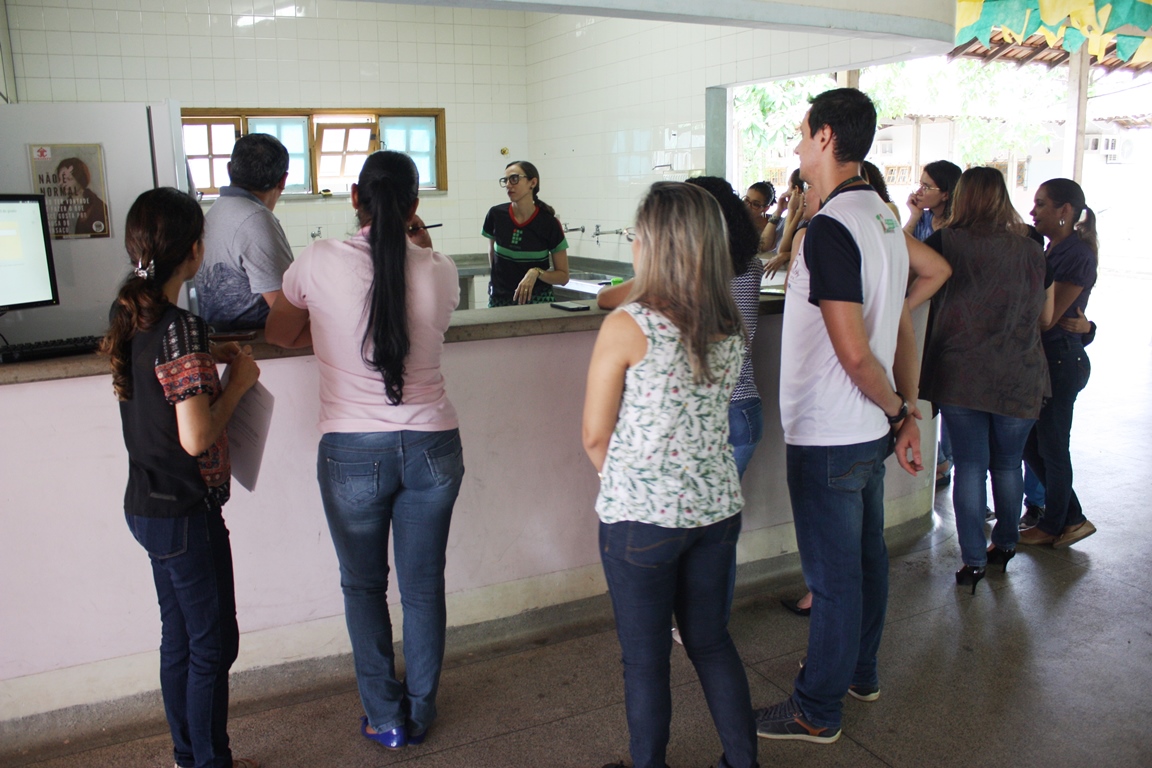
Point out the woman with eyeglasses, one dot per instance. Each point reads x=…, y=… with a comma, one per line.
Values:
x=527, y=251
x=931, y=203
x=760, y=198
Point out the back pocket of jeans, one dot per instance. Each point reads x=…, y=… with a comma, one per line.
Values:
x=354, y=481
x=161, y=537
x=850, y=474
x=446, y=461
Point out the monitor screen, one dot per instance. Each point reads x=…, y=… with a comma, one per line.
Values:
x=27, y=275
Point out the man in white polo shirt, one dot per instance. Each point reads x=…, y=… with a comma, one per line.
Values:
x=848, y=385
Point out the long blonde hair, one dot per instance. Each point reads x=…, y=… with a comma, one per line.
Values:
x=684, y=270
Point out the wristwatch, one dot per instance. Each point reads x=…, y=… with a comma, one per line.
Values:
x=775, y=220
x=901, y=414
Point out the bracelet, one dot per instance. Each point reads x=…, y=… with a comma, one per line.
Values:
x=901, y=414
x=775, y=220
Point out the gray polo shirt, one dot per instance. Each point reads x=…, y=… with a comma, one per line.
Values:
x=245, y=254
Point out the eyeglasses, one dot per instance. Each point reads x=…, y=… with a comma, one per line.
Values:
x=754, y=203
x=929, y=188
x=630, y=234
x=512, y=180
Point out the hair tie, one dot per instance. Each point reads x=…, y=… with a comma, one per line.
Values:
x=144, y=273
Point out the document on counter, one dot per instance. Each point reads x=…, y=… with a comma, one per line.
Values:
x=248, y=432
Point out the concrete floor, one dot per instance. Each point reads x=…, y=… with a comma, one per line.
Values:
x=1047, y=665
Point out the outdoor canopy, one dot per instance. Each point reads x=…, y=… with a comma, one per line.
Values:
x=1063, y=23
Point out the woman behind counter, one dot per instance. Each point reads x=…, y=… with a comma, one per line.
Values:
x=390, y=455
x=528, y=252
x=175, y=412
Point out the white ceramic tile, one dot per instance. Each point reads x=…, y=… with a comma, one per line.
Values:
x=35, y=89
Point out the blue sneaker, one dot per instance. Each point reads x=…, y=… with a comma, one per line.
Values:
x=786, y=721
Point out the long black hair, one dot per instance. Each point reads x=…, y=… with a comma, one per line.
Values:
x=531, y=173
x=743, y=240
x=162, y=229
x=1062, y=191
x=387, y=194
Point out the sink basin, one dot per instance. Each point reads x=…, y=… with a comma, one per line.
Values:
x=590, y=277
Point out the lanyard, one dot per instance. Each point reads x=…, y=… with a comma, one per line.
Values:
x=840, y=186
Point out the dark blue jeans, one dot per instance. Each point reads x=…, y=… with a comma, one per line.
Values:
x=653, y=573
x=406, y=482
x=1048, y=448
x=981, y=443
x=192, y=568
x=838, y=509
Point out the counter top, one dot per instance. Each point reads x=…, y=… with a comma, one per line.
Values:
x=467, y=325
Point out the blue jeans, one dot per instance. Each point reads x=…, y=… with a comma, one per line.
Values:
x=406, y=481
x=838, y=509
x=1047, y=450
x=192, y=568
x=653, y=573
x=745, y=428
x=1033, y=488
x=944, y=447
x=983, y=442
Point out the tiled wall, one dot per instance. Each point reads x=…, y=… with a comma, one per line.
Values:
x=596, y=103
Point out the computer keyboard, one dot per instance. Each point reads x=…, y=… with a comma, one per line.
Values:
x=42, y=350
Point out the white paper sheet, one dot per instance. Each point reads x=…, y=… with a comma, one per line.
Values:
x=248, y=432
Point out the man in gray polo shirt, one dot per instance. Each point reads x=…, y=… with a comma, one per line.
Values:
x=245, y=250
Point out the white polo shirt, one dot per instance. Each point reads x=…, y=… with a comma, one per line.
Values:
x=854, y=250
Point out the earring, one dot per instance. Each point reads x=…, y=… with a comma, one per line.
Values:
x=1061, y=222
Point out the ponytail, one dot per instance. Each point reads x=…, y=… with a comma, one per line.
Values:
x=160, y=233
x=1061, y=191
x=387, y=192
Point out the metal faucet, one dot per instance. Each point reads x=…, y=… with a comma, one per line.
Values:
x=570, y=228
x=600, y=232
x=315, y=234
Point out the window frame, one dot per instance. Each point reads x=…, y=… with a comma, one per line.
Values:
x=208, y=122
x=198, y=115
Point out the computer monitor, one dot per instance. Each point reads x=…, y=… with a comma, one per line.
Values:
x=27, y=274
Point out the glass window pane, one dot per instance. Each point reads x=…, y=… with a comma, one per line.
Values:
x=220, y=171
x=271, y=127
x=396, y=139
x=358, y=139
x=223, y=137
x=330, y=165
x=293, y=139
x=332, y=140
x=353, y=164
x=421, y=141
x=201, y=176
x=196, y=140
x=425, y=167
x=297, y=173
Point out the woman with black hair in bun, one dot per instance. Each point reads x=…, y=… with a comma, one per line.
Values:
x=390, y=459
x=527, y=251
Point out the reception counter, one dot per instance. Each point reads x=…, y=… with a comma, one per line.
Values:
x=79, y=624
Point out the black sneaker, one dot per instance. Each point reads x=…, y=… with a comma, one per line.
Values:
x=1031, y=516
x=786, y=721
x=864, y=692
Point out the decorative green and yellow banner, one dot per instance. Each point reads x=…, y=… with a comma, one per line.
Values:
x=1066, y=24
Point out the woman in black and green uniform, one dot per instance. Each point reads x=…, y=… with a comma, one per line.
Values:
x=528, y=252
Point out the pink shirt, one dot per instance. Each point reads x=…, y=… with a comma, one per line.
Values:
x=331, y=279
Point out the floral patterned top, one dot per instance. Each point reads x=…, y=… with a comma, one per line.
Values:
x=669, y=462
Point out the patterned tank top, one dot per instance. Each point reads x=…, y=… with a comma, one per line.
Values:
x=669, y=462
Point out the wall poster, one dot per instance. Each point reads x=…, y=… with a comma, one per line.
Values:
x=71, y=177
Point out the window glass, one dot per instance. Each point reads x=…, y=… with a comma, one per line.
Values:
x=417, y=137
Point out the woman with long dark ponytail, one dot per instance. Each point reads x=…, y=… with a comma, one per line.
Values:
x=1062, y=215
x=174, y=412
x=374, y=308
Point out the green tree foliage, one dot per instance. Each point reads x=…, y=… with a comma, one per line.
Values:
x=997, y=108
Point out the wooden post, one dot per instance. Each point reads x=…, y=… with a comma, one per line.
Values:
x=1079, y=65
x=848, y=79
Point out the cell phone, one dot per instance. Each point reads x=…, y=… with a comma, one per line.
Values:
x=570, y=306
x=225, y=336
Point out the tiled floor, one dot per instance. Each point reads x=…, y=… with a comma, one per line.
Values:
x=1047, y=665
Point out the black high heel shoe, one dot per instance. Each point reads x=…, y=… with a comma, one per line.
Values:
x=969, y=574
x=997, y=556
